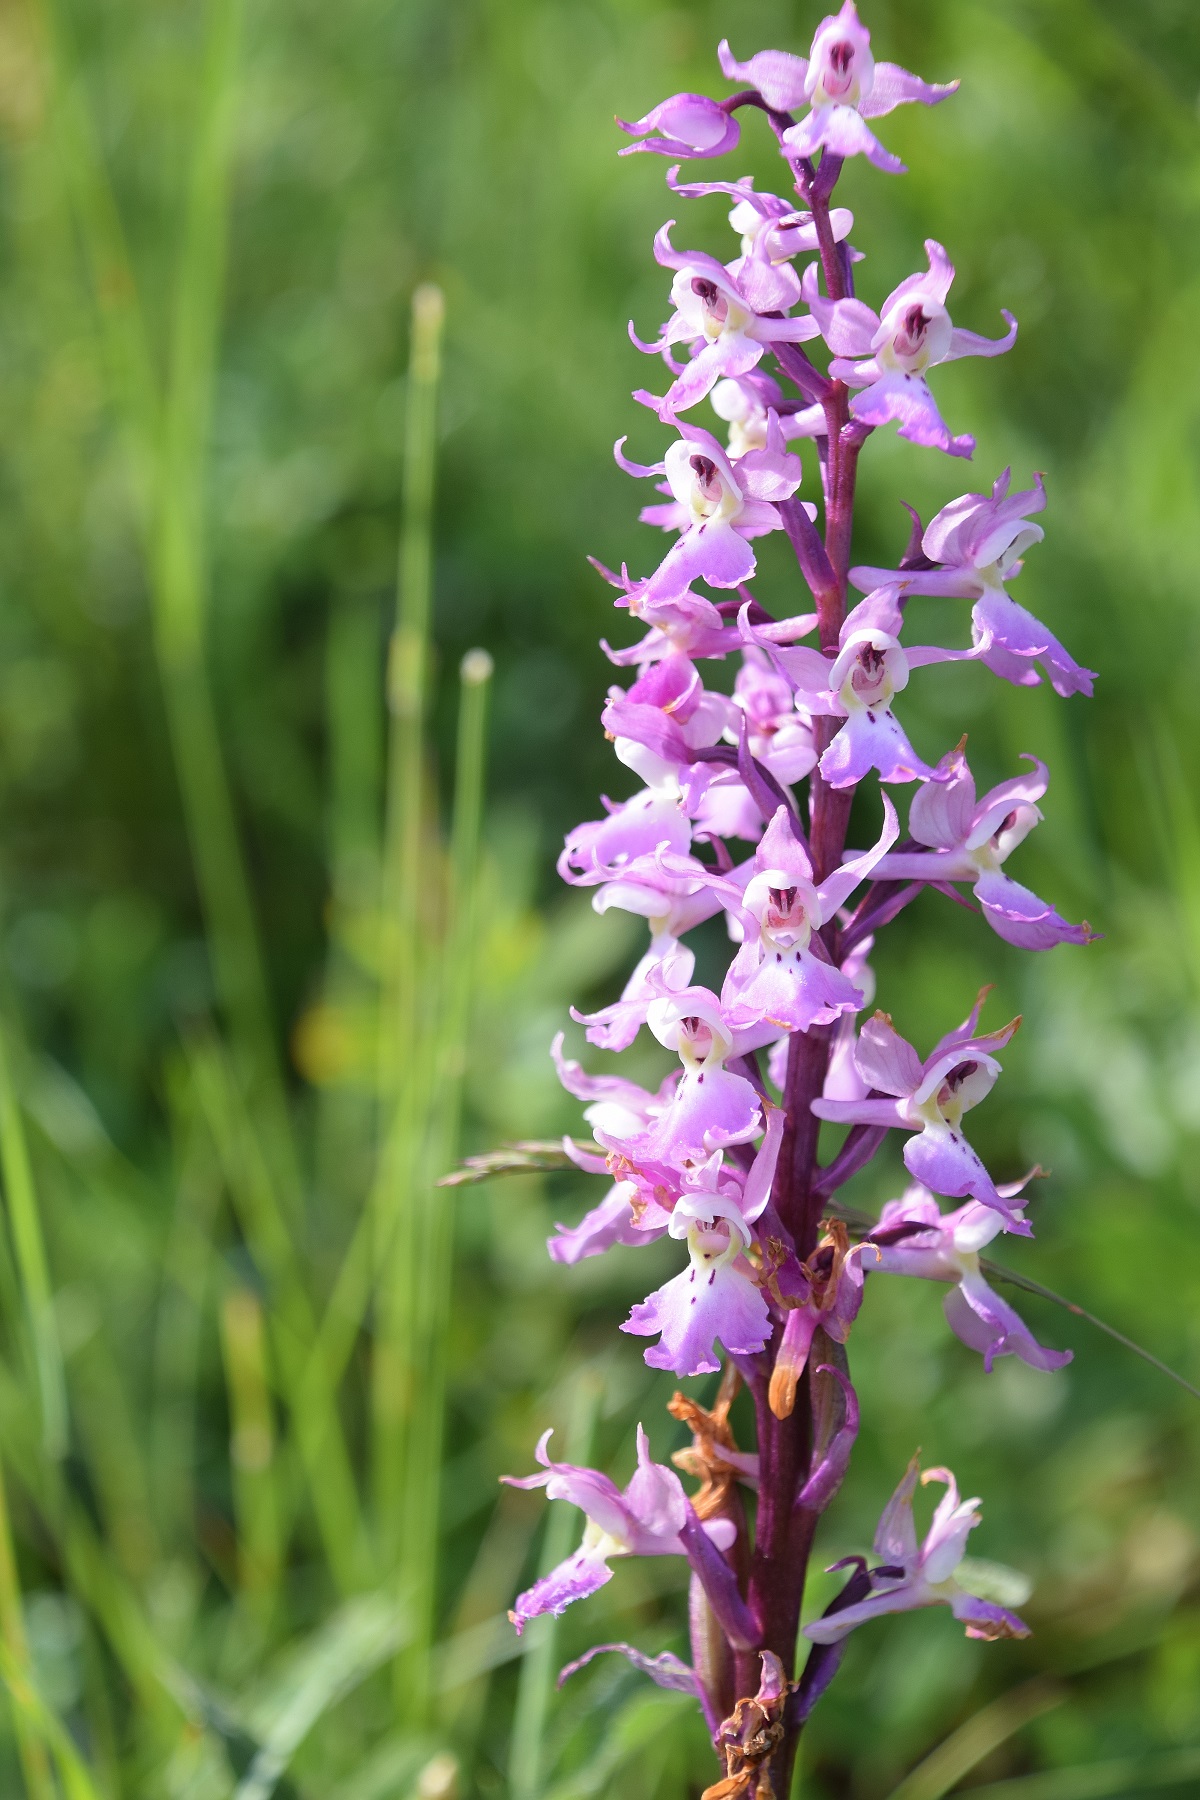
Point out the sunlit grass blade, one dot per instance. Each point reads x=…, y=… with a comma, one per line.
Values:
x=252, y=1452
x=434, y=1236
x=403, y=1067
x=535, y=1689
x=977, y=1737
x=1125, y=1778
x=319, y=1673
x=33, y=1270
x=311, y=1401
x=30, y=1734
x=36, y=1716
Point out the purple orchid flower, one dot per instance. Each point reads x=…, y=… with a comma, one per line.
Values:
x=913, y=1576
x=746, y=402
x=842, y=83
x=717, y=506
x=649, y=1518
x=930, y=1098
x=969, y=841
x=830, y=1300
x=914, y=1237
x=686, y=125
x=777, y=979
x=712, y=1106
x=871, y=667
x=721, y=321
x=887, y=357
x=717, y=1297
x=771, y=229
x=977, y=543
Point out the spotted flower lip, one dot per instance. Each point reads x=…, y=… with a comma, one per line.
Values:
x=967, y=841
x=971, y=549
x=842, y=83
x=716, y=506
x=914, y=1237
x=871, y=667
x=914, y=1575
x=928, y=1099
x=887, y=356
x=717, y=1297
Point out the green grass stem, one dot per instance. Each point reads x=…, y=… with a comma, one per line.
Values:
x=31, y=1747
x=403, y=1062
x=32, y=1267
x=252, y=1453
x=427, y=1350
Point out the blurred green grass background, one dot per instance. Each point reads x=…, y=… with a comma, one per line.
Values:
x=244, y=974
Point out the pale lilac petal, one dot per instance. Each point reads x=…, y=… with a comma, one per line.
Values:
x=896, y=1534
x=945, y=1162
x=842, y=132
x=943, y=809
x=664, y=1670
x=906, y=399
x=837, y=888
x=607, y=1224
x=1001, y=623
x=778, y=76
x=904, y=1597
x=711, y=552
x=792, y=990
x=985, y=1322
x=859, y=1112
x=695, y=1309
x=893, y=86
x=970, y=343
x=1020, y=918
x=688, y=125
x=656, y=1502
x=871, y=738
x=574, y=1579
x=729, y=356
x=985, y=1620
x=886, y=1060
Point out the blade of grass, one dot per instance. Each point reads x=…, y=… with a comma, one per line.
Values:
x=403, y=1066
x=1127, y=1778
x=535, y=1687
x=427, y=1349
x=31, y=1748
x=977, y=1737
x=311, y=1402
x=167, y=435
x=77, y=1783
x=252, y=1453
x=32, y=1267
x=342, y=1653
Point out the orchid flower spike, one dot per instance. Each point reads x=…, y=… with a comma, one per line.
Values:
x=889, y=356
x=915, y=1575
x=842, y=83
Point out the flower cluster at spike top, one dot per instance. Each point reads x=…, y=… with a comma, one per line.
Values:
x=723, y=1157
